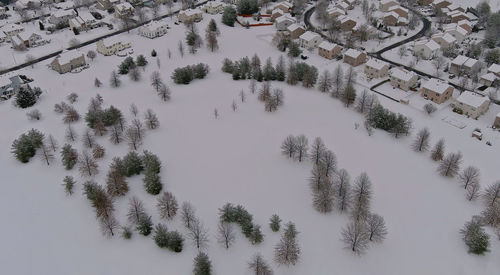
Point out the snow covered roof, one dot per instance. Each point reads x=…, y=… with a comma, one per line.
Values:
x=489, y=77
x=398, y=7
x=215, y=4
x=86, y=16
x=327, y=45
x=494, y=68
x=376, y=64
x=285, y=4
x=275, y=11
x=353, y=53
x=63, y=13
x=436, y=85
x=4, y=81
x=454, y=6
x=446, y=37
x=472, y=99
x=391, y=13
x=383, y=2
x=459, y=60
x=154, y=25
x=336, y=10
x=309, y=36
x=112, y=40
x=12, y=27
x=471, y=62
x=66, y=57
x=459, y=30
x=464, y=22
x=284, y=18
x=432, y=45
x=343, y=5
x=293, y=27
x=402, y=74
x=191, y=12
x=123, y=6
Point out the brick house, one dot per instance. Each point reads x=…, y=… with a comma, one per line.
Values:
x=329, y=50
x=403, y=79
x=354, y=57
x=471, y=104
x=68, y=61
x=436, y=90
x=375, y=68
x=385, y=5
x=295, y=31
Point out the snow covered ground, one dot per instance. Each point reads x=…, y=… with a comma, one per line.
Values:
x=237, y=159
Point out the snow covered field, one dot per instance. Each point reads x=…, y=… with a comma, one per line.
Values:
x=237, y=159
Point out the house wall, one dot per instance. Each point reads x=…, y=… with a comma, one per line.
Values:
x=374, y=73
x=471, y=111
x=403, y=85
x=435, y=97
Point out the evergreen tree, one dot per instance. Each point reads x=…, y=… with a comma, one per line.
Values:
x=24, y=148
x=274, y=223
x=141, y=61
x=202, y=265
x=294, y=49
x=229, y=16
x=152, y=183
x=26, y=98
x=69, y=156
x=132, y=164
x=475, y=237
x=144, y=225
x=69, y=183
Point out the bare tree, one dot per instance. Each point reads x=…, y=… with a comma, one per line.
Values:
x=429, y=108
x=134, y=74
x=70, y=134
x=164, y=93
x=216, y=113
x=438, y=151
x=234, y=106
x=198, y=234
x=115, y=183
x=439, y=62
x=91, y=54
x=289, y=146
x=52, y=143
x=167, y=206
x=302, y=147
x=136, y=210
x=181, y=48
x=109, y=225
x=225, y=234
x=421, y=142
x=253, y=86
x=259, y=266
x=402, y=51
x=376, y=228
x=363, y=101
x=361, y=197
x=473, y=191
x=469, y=175
x=242, y=96
x=329, y=160
x=338, y=81
x=133, y=137
x=325, y=82
x=87, y=165
x=152, y=121
x=324, y=197
x=187, y=214
x=491, y=195
x=45, y=153
x=88, y=139
x=156, y=81
x=287, y=251
x=116, y=134
x=114, y=80
x=450, y=165
x=342, y=185
x=318, y=148
x=34, y=114
x=356, y=237
x=99, y=128
x=141, y=14
x=71, y=115
x=133, y=109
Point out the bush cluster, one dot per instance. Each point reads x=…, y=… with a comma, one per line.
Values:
x=186, y=74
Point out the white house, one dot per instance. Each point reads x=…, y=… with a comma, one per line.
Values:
x=214, y=7
x=68, y=61
x=456, y=31
x=11, y=30
x=488, y=79
x=471, y=104
x=154, y=29
x=444, y=40
x=26, y=39
x=426, y=49
x=61, y=16
x=84, y=21
x=110, y=46
x=123, y=10
x=194, y=15
x=283, y=22
x=464, y=64
x=494, y=68
x=376, y=68
x=403, y=79
x=310, y=40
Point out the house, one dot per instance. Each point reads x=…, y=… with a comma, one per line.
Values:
x=441, y=4
x=84, y=21
x=342, y=5
x=354, y=57
x=471, y=104
x=346, y=23
x=3, y=36
x=456, y=32
x=456, y=16
x=106, y=4
x=444, y=40
x=68, y=61
x=283, y=22
x=376, y=68
x=425, y=2
x=26, y=40
x=154, y=29
x=2, y=10
x=497, y=121
x=403, y=79
x=335, y=12
x=436, y=90
x=494, y=68
x=385, y=5
x=11, y=30
x=402, y=12
x=295, y=31
x=11, y=85
x=350, y=3
x=426, y=49
x=488, y=79
x=463, y=64
x=190, y=15
x=329, y=50
x=123, y=10
x=466, y=25
x=275, y=14
x=27, y=4
x=390, y=18
x=455, y=7
x=61, y=16
x=214, y=7
x=370, y=31
x=110, y=46
x=284, y=6
x=310, y=40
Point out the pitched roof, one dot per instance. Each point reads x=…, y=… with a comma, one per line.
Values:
x=459, y=60
x=432, y=45
x=376, y=64
x=352, y=53
x=494, y=68
x=489, y=76
x=66, y=57
x=327, y=45
x=293, y=27
x=472, y=99
x=402, y=74
x=309, y=35
x=436, y=85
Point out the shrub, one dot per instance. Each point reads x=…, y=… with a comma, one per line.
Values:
x=186, y=74
x=24, y=148
x=27, y=97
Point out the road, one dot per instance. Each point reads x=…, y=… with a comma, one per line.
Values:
x=54, y=54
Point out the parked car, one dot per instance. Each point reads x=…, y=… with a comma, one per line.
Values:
x=304, y=57
x=451, y=76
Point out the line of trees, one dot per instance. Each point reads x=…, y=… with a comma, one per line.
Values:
x=187, y=74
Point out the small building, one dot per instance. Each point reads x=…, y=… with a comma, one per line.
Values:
x=347, y=24
x=68, y=61
x=402, y=12
x=376, y=68
x=458, y=32
x=426, y=49
x=441, y=4
x=26, y=40
x=390, y=19
x=342, y=5
x=284, y=6
x=190, y=15
x=11, y=85
x=445, y=40
x=275, y=14
x=283, y=22
x=436, y=90
x=123, y=10
x=466, y=25
x=425, y=2
x=350, y=3
x=154, y=29
x=11, y=30
x=61, y=16
x=84, y=21
x=3, y=36
x=455, y=7
x=456, y=16
x=488, y=79
x=295, y=31
x=214, y=7
x=110, y=46
x=463, y=64
x=354, y=57
x=106, y=4
x=329, y=50
x=403, y=79
x=385, y=5
x=471, y=104
x=310, y=40
x=494, y=68
x=496, y=123
x=335, y=12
